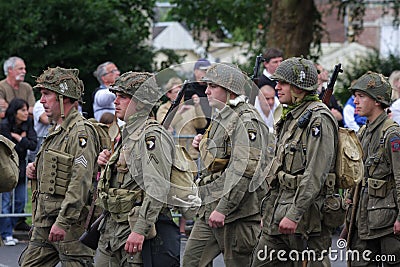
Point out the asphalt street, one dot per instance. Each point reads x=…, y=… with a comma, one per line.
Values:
x=9, y=255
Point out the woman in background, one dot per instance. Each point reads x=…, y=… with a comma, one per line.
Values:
x=18, y=127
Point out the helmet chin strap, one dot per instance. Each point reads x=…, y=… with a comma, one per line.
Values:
x=61, y=99
x=228, y=97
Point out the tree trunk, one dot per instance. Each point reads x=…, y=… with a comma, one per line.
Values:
x=291, y=29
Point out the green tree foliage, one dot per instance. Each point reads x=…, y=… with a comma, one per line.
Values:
x=294, y=26
x=291, y=25
x=77, y=34
x=228, y=20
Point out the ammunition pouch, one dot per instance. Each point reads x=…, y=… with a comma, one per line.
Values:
x=56, y=173
x=335, y=207
x=334, y=211
x=379, y=188
x=119, y=202
x=382, y=211
x=287, y=181
x=133, y=217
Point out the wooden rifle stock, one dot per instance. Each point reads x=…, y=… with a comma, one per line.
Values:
x=254, y=78
x=352, y=223
x=174, y=106
x=91, y=236
x=329, y=90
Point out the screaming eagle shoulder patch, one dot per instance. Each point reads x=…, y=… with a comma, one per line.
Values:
x=150, y=142
x=82, y=141
x=316, y=130
x=252, y=135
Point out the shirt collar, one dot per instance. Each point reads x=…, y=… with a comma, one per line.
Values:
x=372, y=126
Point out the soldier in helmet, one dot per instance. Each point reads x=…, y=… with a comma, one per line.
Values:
x=377, y=224
x=138, y=229
x=304, y=158
x=233, y=151
x=64, y=168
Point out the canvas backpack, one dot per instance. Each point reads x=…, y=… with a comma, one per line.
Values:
x=349, y=160
x=8, y=165
x=102, y=132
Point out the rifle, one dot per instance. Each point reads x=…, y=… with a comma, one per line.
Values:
x=91, y=236
x=329, y=90
x=174, y=106
x=352, y=222
x=254, y=78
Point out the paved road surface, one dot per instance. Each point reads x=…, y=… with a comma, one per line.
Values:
x=9, y=255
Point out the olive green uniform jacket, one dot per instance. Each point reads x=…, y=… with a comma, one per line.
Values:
x=304, y=156
x=65, y=167
x=380, y=195
x=136, y=180
x=235, y=152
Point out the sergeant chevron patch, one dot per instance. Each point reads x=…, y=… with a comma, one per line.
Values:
x=81, y=160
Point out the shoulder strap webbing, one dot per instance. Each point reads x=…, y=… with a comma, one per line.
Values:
x=386, y=130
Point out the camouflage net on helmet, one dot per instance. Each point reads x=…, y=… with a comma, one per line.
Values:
x=299, y=72
x=62, y=81
x=140, y=85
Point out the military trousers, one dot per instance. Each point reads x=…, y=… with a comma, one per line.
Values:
x=161, y=251
x=381, y=251
x=293, y=250
x=70, y=252
x=235, y=240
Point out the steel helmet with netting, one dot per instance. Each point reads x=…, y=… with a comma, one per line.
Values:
x=299, y=72
x=376, y=86
x=62, y=81
x=142, y=86
x=226, y=75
